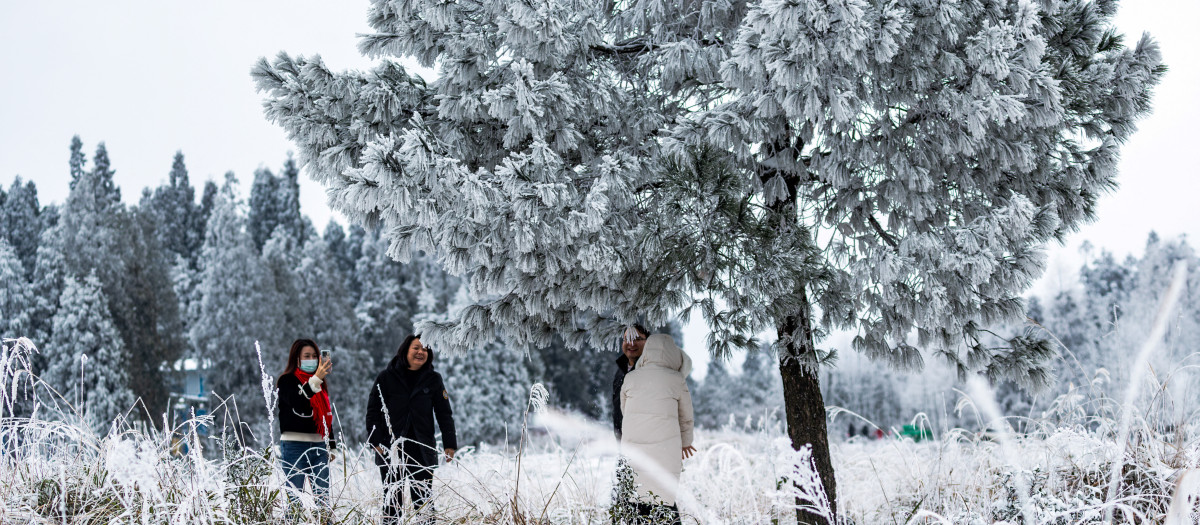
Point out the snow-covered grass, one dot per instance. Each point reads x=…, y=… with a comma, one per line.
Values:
x=55, y=470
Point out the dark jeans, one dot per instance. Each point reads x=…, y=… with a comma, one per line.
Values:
x=414, y=466
x=301, y=460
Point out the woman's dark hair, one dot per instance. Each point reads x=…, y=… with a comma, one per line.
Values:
x=293, y=361
x=402, y=352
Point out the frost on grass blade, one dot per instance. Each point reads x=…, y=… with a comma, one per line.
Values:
x=800, y=487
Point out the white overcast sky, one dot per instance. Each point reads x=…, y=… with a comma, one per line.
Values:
x=149, y=78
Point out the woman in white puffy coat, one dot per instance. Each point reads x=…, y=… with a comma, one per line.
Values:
x=657, y=427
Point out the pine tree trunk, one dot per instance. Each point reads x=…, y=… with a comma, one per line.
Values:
x=804, y=406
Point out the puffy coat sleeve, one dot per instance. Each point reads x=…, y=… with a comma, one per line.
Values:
x=378, y=432
x=445, y=416
x=624, y=397
x=686, y=417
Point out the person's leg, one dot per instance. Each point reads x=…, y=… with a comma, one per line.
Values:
x=420, y=487
x=317, y=470
x=290, y=453
x=420, y=476
x=393, y=486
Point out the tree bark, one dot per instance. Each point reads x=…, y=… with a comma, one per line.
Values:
x=804, y=406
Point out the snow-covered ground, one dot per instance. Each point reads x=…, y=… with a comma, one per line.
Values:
x=566, y=476
x=54, y=469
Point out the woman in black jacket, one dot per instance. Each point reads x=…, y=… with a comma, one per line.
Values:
x=405, y=399
x=305, y=419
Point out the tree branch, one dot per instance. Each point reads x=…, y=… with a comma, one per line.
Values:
x=637, y=46
x=883, y=234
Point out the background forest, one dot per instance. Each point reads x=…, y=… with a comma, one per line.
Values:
x=122, y=299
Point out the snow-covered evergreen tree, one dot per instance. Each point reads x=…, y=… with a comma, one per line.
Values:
x=49, y=278
x=711, y=399
x=77, y=162
x=288, y=203
x=387, y=302
x=174, y=206
x=1151, y=278
x=95, y=233
x=89, y=230
x=237, y=308
x=263, y=214
x=324, y=308
x=106, y=190
x=587, y=165
x=488, y=388
x=280, y=256
x=87, y=360
x=208, y=200
x=757, y=393
x=154, y=335
x=16, y=296
x=20, y=223
x=354, y=251
x=337, y=244
x=275, y=203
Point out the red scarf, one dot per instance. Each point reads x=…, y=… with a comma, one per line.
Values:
x=320, y=405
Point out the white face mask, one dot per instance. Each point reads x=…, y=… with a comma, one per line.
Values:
x=308, y=365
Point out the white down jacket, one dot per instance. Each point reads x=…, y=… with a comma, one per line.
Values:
x=658, y=418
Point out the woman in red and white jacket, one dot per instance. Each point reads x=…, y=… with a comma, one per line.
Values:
x=305, y=418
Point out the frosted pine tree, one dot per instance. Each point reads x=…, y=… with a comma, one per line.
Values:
x=96, y=233
x=208, y=201
x=86, y=359
x=339, y=249
x=280, y=257
x=387, y=301
x=488, y=387
x=49, y=278
x=238, y=307
x=757, y=392
x=263, y=215
x=174, y=206
x=16, y=296
x=154, y=333
x=711, y=399
x=102, y=178
x=89, y=230
x=20, y=223
x=1151, y=277
x=587, y=165
x=77, y=162
x=354, y=252
x=288, y=202
x=324, y=308
x=275, y=203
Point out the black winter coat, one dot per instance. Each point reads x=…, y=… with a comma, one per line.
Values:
x=411, y=408
x=295, y=409
x=618, y=380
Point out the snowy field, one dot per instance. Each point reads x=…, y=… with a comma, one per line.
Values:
x=55, y=472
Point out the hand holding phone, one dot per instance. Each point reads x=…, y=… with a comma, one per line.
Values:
x=323, y=368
